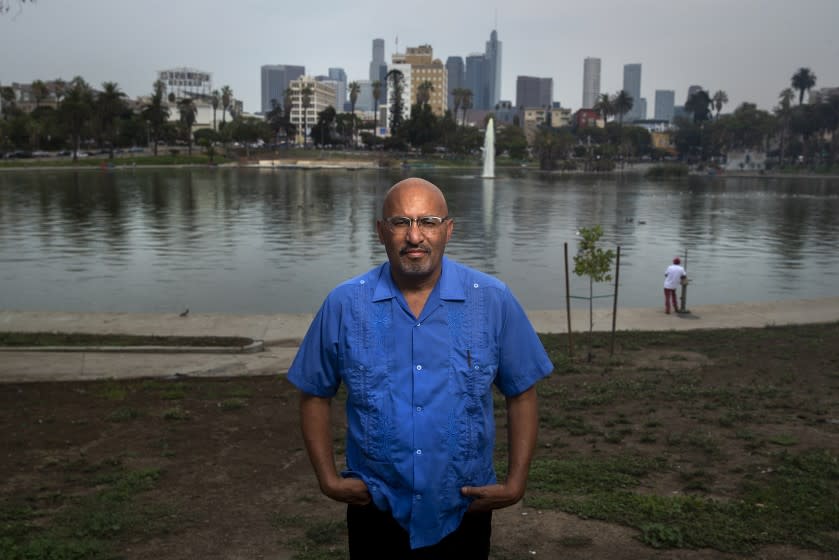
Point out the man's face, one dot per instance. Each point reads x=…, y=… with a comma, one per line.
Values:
x=415, y=253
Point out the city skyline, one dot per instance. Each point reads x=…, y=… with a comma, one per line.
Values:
x=750, y=50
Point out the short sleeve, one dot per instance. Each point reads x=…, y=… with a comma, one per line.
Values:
x=315, y=369
x=522, y=358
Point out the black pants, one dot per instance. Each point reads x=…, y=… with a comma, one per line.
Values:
x=375, y=534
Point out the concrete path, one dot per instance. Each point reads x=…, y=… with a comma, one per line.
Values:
x=281, y=334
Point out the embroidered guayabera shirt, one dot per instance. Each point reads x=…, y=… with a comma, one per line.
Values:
x=419, y=405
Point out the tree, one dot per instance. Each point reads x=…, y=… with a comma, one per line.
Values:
x=354, y=90
x=40, y=91
x=511, y=139
x=466, y=104
x=699, y=104
x=247, y=131
x=109, y=107
x=7, y=102
x=802, y=81
x=594, y=262
x=622, y=103
x=324, y=129
x=604, y=107
x=377, y=93
x=720, y=98
x=424, y=92
x=784, y=112
x=226, y=100
x=396, y=79
x=215, y=101
x=75, y=111
x=156, y=113
x=187, y=110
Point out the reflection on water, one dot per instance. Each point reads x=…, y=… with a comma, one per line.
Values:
x=250, y=241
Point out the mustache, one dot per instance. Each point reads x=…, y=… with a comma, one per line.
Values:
x=403, y=250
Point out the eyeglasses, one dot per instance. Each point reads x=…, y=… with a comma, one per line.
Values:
x=426, y=224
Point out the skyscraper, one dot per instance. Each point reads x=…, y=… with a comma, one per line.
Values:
x=275, y=80
x=476, y=81
x=493, y=70
x=534, y=92
x=378, y=67
x=591, y=82
x=454, y=69
x=340, y=77
x=632, y=86
x=665, y=100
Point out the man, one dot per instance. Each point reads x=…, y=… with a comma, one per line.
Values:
x=419, y=341
x=673, y=278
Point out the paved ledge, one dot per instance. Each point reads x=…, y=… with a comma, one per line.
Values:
x=255, y=346
x=281, y=333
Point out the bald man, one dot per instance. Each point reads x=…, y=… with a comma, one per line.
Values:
x=418, y=342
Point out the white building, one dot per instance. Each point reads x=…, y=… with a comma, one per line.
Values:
x=591, y=82
x=304, y=118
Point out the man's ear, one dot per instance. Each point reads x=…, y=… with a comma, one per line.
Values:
x=379, y=226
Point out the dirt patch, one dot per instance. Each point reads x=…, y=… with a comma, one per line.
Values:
x=232, y=479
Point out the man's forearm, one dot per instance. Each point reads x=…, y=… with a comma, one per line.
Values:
x=317, y=435
x=522, y=427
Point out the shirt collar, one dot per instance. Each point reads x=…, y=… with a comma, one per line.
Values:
x=449, y=283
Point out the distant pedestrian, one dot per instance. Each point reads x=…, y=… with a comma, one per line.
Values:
x=674, y=276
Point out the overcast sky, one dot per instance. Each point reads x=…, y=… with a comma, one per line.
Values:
x=748, y=48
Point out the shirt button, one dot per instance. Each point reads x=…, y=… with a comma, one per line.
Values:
x=419, y=367
x=418, y=497
x=419, y=409
x=419, y=451
x=475, y=285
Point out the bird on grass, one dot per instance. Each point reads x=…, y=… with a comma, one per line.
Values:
x=185, y=312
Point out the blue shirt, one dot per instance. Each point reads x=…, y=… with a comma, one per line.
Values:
x=419, y=405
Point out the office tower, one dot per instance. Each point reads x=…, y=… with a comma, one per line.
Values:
x=665, y=100
x=378, y=67
x=476, y=81
x=322, y=96
x=493, y=70
x=534, y=92
x=456, y=77
x=632, y=86
x=275, y=80
x=340, y=77
x=591, y=82
x=335, y=101
x=641, y=114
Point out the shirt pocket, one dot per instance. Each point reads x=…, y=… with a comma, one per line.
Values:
x=473, y=371
x=369, y=408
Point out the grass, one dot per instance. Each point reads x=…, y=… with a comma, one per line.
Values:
x=12, y=339
x=82, y=520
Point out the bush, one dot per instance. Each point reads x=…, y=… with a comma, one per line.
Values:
x=671, y=170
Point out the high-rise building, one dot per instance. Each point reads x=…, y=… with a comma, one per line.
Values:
x=425, y=68
x=665, y=100
x=340, y=77
x=591, y=82
x=493, y=70
x=641, y=113
x=322, y=96
x=334, y=102
x=378, y=67
x=275, y=80
x=475, y=79
x=456, y=77
x=632, y=86
x=534, y=92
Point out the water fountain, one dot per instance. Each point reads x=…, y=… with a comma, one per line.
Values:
x=489, y=151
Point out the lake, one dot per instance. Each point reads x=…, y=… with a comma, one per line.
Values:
x=243, y=240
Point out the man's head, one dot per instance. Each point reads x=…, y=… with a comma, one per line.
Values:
x=677, y=260
x=415, y=250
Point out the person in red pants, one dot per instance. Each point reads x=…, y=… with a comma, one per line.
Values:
x=673, y=279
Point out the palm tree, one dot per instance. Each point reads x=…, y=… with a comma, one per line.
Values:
x=466, y=104
x=226, y=99
x=720, y=98
x=424, y=92
x=354, y=90
x=604, y=107
x=215, y=101
x=187, y=110
x=377, y=93
x=622, y=103
x=110, y=106
x=699, y=103
x=75, y=111
x=306, y=102
x=784, y=111
x=156, y=113
x=59, y=88
x=457, y=94
x=803, y=80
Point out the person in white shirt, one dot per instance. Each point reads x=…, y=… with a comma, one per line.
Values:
x=673, y=278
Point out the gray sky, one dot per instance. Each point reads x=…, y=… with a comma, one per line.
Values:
x=748, y=48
